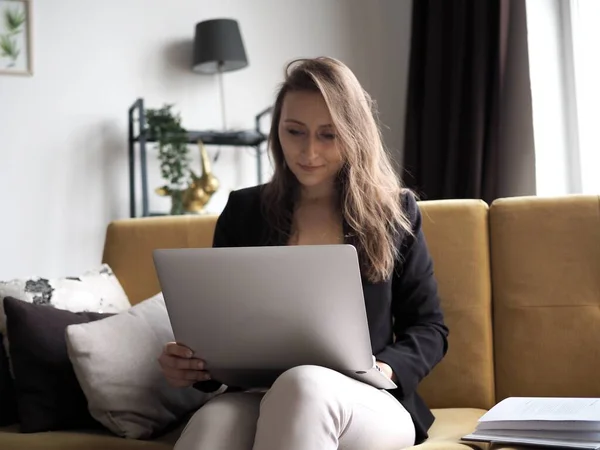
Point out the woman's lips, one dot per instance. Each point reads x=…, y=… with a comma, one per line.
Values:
x=309, y=168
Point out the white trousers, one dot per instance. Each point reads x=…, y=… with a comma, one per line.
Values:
x=307, y=408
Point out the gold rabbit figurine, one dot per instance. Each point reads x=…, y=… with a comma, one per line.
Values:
x=201, y=189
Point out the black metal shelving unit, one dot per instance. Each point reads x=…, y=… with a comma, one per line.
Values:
x=138, y=137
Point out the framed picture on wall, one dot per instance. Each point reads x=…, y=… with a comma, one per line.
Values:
x=16, y=56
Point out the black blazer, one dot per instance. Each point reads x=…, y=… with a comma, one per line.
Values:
x=406, y=322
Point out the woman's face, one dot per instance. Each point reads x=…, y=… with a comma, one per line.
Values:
x=308, y=138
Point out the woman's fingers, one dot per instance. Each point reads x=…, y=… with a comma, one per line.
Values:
x=175, y=349
x=189, y=375
x=183, y=357
x=179, y=368
x=189, y=364
x=181, y=363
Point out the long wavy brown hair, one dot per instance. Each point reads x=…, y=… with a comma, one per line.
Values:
x=368, y=187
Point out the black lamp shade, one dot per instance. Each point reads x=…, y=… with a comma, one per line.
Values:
x=218, y=46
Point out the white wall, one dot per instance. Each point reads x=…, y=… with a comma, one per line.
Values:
x=63, y=131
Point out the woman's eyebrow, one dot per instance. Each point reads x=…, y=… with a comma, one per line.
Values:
x=326, y=125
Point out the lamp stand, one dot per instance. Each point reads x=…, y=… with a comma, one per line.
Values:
x=222, y=94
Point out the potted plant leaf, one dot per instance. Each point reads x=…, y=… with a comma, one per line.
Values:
x=13, y=22
x=164, y=126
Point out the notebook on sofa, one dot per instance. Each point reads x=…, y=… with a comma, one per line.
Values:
x=542, y=421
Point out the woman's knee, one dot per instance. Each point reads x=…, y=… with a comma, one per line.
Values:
x=301, y=384
x=306, y=377
x=225, y=422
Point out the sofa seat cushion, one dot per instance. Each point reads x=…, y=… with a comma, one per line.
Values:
x=11, y=439
x=449, y=427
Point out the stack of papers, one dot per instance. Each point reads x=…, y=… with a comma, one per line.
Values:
x=548, y=422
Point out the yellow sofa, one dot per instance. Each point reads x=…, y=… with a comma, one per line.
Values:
x=520, y=286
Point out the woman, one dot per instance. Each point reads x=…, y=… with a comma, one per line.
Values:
x=333, y=183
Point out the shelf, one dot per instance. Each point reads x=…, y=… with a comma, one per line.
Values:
x=243, y=138
x=163, y=214
x=138, y=138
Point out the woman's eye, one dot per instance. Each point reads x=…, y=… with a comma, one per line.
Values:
x=328, y=136
x=294, y=132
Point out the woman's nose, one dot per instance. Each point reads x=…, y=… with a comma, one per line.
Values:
x=311, y=148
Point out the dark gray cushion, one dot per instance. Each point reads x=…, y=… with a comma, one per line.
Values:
x=48, y=396
x=8, y=402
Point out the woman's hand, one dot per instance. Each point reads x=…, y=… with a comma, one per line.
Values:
x=386, y=370
x=180, y=368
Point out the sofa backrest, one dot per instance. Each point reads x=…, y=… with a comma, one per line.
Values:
x=129, y=244
x=457, y=235
x=546, y=289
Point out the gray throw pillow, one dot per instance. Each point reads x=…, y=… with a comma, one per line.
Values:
x=116, y=363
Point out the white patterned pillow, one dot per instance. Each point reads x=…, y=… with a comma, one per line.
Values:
x=96, y=290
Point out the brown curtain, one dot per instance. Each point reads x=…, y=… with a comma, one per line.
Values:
x=457, y=69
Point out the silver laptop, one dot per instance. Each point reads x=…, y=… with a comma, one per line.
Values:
x=254, y=312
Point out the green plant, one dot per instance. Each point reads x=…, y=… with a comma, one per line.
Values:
x=9, y=48
x=13, y=20
x=164, y=126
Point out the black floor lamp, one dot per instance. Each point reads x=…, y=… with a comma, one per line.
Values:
x=219, y=48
